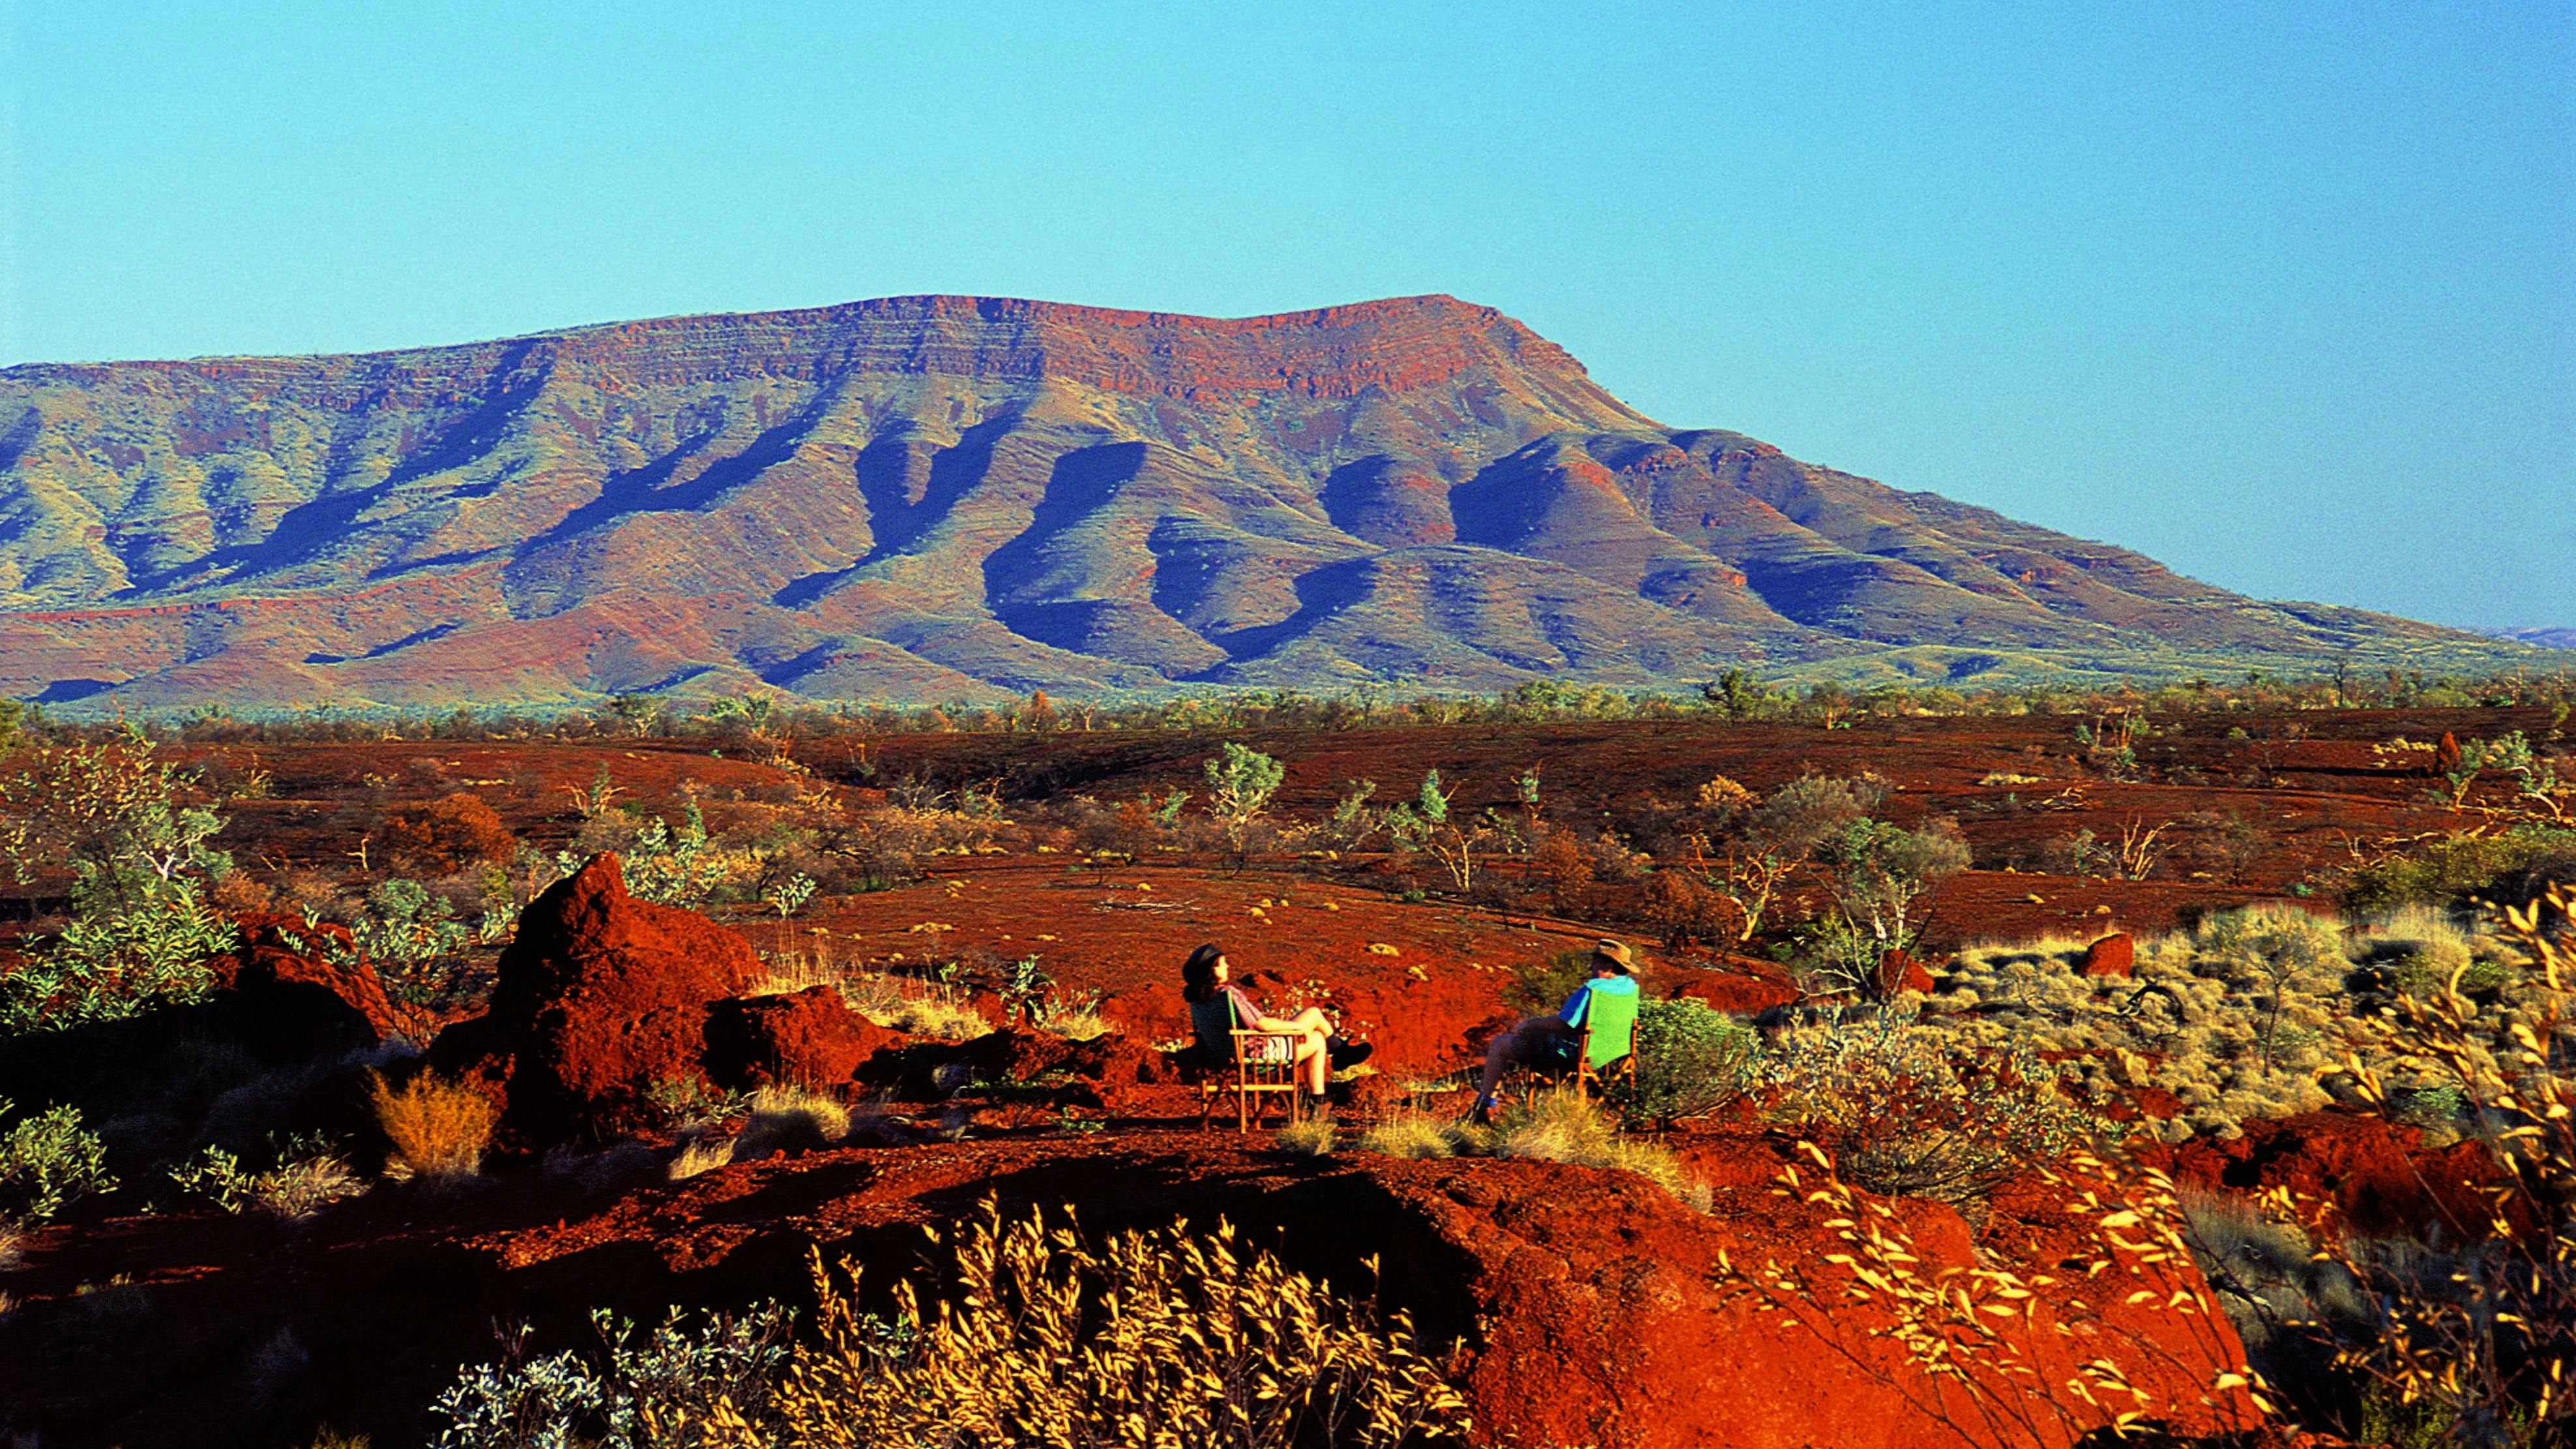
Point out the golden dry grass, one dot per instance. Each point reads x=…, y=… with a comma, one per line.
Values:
x=438, y=1128
x=1163, y=1338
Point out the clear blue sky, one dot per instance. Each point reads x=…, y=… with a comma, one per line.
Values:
x=2283, y=295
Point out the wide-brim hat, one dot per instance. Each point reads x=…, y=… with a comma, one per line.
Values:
x=1616, y=954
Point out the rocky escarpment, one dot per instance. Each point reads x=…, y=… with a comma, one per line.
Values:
x=957, y=497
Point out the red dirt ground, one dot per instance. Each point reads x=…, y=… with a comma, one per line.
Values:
x=1587, y=1298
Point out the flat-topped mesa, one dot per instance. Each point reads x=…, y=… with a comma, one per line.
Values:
x=1394, y=345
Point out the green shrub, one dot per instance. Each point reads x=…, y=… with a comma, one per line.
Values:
x=118, y=818
x=1689, y=1058
x=1539, y=987
x=628, y=1394
x=47, y=1162
x=2459, y=869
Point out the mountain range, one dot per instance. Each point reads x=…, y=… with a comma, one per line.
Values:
x=962, y=498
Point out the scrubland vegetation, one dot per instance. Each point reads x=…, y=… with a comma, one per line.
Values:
x=2413, y=975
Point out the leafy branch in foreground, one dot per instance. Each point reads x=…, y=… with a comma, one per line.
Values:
x=2008, y=1358
x=2482, y=1335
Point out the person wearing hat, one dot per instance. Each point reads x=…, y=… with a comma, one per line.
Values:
x=1550, y=1042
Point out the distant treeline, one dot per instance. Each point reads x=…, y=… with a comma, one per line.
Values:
x=1736, y=695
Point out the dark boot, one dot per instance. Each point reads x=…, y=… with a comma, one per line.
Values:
x=1345, y=1055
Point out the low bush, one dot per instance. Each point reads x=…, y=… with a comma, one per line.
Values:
x=47, y=1162
x=303, y=1179
x=2509, y=867
x=2247, y=1016
x=438, y=1128
x=627, y=1394
x=1689, y=1058
x=1915, y=1111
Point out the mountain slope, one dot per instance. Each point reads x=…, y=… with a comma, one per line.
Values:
x=952, y=497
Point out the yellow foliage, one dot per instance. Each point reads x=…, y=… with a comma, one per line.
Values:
x=438, y=1128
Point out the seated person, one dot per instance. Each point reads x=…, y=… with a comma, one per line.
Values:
x=1218, y=1008
x=1548, y=1043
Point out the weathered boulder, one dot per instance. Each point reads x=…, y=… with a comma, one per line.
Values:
x=301, y=989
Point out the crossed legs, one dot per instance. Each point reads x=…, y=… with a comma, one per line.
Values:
x=1528, y=1044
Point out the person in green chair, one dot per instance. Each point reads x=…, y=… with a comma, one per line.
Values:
x=1548, y=1043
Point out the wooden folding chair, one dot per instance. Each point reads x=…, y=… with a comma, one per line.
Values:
x=1260, y=1070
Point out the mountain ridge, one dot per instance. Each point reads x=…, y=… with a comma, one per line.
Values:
x=956, y=497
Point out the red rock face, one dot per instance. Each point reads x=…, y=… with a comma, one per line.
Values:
x=2374, y=1176
x=2113, y=955
x=808, y=1038
x=1899, y=971
x=599, y=997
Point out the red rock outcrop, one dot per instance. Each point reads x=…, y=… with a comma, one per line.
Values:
x=1899, y=971
x=599, y=997
x=2114, y=955
x=808, y=1038
x=290, y=986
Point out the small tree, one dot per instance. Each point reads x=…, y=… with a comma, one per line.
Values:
x=1240, y=782
x=1879, y=871
x=1425, y=824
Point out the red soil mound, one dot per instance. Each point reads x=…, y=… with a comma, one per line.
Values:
x=599, y=997
x=1587, y=1299
x=287, y=982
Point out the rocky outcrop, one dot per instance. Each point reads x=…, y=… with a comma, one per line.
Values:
x=2349, y=1171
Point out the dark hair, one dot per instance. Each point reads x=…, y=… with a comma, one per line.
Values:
x=1198, y=974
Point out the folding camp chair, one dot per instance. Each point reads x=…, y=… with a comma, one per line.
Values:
x=1265, y=1066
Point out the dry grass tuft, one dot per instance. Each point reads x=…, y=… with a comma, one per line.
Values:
x=297, y=1190
x=1558, y=1127
x=1313, y=1137
x=790, y=1119
x=883, y=1000
x=1417, y=1135
x=1563, y=1127
x=438, y=1128
x=788, y=972
x=1077, y=1024
x=705, y=1154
